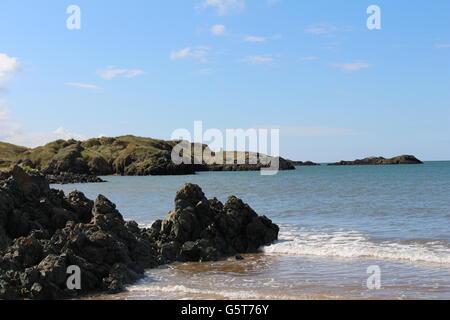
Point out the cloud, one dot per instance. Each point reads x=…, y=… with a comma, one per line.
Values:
x=325, y=29
x=310, y=131
x=254, y=39
x=224, y=7
x=272, y=2
x=442, y=45
x=205, y=71
x=352, y=66
x=218, y=30
x=258, y=39
x=13, y=132
x=36, y=139
x=311, y=58
x=258, y=59
x=82, y=85
x=7, y=126
x=8, y=65
x=198, y=53
x=111, y=72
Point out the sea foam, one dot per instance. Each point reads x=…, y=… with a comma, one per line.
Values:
x=299, y=241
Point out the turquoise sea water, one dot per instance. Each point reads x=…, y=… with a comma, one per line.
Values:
x=335, y=222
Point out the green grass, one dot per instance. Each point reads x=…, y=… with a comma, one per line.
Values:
x=8, y=153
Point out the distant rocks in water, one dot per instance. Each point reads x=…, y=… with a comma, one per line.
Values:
x=405, y=159
x=127, y=156
x=44, y=232
x=283, y=165
x=304, y=163
x=69, y=178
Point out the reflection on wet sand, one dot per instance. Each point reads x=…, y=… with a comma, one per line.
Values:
x=281, y=277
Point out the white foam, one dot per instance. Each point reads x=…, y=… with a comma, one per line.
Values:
x=183, y=290
x=351, y=244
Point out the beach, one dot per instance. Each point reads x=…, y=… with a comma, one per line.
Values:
x=335, y=223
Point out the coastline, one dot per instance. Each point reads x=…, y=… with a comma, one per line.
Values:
x=316, y=249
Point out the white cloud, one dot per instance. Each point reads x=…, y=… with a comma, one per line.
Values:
x=352, y=66
x=205, y=71
x=224, y=7
x=254, y=39
x=442, y=45
x=198, y=53
x=13, y=132
x=82, y=85
x=310, y=131
x=218, y=30
x=311, y=58
x=272, y=2
x=36, y=139
x=258, y=39
x=111, y=72
x=183, y=53
x=325, y=29
x=8, y=65
x=7, y=126
x=258, y=59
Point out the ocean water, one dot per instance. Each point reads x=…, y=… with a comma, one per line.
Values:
x=336, y=222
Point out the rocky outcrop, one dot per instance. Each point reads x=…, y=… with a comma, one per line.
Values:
x=70, y=178
x=283, y=165
x=126, y=155
x=199, y=229
x=44, y=233
x=405, y=159
x=304, y=163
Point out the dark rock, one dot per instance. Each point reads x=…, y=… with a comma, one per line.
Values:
x=204, y=230
x=43, y=233
x=71, y=178
x=304, y=163
x=405, y=159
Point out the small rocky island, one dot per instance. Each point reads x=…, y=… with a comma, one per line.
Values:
x=304, y=163
x=405, y=159
x=43, y=232
x=75, y=161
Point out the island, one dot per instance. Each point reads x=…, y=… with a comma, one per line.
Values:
x=405, y=159
x=304, y=163
x=75, y=161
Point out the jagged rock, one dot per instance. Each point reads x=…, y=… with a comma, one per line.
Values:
x=203, y=230
x=70, y=178
x=43, y=232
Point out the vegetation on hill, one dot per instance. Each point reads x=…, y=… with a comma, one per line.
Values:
x=9, y=153
x=125, y=155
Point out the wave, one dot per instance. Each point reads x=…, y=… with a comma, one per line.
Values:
x=352, y=244
x=183, y=290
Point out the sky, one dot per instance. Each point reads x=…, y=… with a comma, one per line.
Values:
x=337, y=90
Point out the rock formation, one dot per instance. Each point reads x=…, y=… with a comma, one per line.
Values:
x=43, y=232
x=69, y=178
x=405, y=159
x=304, y=163
x=126, y=155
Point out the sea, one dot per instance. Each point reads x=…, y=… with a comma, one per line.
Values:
x=346, y=232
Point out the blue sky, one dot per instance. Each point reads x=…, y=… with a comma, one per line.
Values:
x=336, y=89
